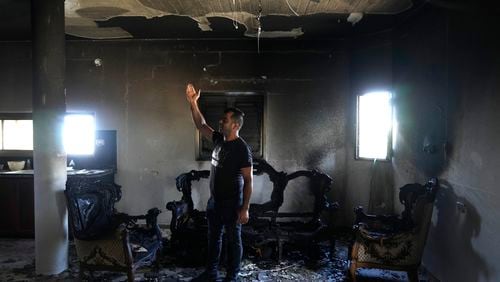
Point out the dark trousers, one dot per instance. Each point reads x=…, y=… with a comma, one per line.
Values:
x=218, y=218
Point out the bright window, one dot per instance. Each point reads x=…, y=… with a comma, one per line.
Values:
x=17, y=134
x=79, y=134
x=374, y=126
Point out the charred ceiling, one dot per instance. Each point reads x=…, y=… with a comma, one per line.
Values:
x=153, y=19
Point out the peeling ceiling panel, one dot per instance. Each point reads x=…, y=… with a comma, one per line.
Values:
x=83, y=16
x=98, y=13
x=277, y=7
x=97, y=33
x=87, y=28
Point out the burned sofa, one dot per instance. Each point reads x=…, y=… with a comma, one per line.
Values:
x=268, y=229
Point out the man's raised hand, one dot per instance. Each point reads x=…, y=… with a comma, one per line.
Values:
x=191, y=94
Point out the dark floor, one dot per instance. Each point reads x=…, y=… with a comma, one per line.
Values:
x=17, y=264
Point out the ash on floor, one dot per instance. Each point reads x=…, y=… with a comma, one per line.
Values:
x=17, y=264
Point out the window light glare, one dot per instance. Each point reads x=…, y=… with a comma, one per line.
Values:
x=374, y=122
x=79, y=134
x=18, y=135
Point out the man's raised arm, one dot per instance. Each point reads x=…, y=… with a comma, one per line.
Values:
x=199, y=121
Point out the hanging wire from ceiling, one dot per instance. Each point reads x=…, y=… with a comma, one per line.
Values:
x=235, y=22
x=291, y=9
x=259, y=29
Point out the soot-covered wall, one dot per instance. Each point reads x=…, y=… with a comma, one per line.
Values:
x=446, y=76
x=139, y=91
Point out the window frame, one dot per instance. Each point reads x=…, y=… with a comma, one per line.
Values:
x=228, y=95
x=390, y=152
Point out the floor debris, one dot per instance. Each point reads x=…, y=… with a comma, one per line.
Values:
x=17, y=264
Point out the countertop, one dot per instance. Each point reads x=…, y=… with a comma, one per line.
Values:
x=70, y=172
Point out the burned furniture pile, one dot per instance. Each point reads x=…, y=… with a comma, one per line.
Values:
x=268, y=229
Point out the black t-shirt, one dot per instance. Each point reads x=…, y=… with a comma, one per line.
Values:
x=226, y=179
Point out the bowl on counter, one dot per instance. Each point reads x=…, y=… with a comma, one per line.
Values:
x=16, y=165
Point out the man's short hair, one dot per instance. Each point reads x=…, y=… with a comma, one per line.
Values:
x=237, y=115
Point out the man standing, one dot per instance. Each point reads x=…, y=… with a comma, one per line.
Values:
x=230, y=187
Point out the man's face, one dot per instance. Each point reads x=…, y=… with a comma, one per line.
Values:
x=226, y=124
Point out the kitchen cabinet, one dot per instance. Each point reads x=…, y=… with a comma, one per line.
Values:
x=17, y=217
x=17, y=213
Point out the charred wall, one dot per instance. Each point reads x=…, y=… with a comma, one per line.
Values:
x=139, y=91
x=445, y=73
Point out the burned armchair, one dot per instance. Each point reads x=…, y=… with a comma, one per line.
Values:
x=105, y=239
x=395, y=242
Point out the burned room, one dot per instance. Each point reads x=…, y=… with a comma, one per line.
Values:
x=249, y=140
